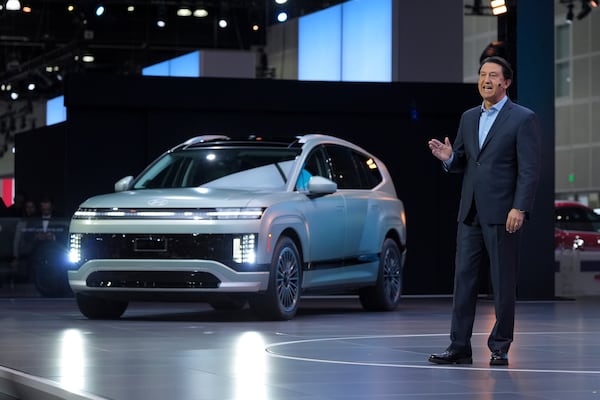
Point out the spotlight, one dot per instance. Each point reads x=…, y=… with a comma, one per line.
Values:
x=282, y=16
x=13, y=5
x=161, y=20
x=200, y=13
x=99, y=10
x=498, y=7
x=184, y=11
x=223, y=23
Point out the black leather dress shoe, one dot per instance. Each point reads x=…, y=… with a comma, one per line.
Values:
x=451, y=357
x=499, y=358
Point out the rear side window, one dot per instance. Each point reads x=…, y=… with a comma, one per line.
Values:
x=353, y=170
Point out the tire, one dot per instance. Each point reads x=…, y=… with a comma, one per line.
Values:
x=280, y=301
x=386, y=294
x=100, y=308
x=49, y=271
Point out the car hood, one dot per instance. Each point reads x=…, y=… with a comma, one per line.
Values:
x=185, y=198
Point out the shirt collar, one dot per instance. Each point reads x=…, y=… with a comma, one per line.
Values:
x=496, y=107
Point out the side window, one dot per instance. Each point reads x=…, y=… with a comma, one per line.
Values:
x=353, y=170
x=316, y=165
x=369, y=173
x=344, y=168
x=571, y=218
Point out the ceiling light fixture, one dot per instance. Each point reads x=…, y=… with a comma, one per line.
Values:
x=200, y=13
x=498, y=7
x=184, y=11
x=161, y=20
x=13, y=5
x=282, y=16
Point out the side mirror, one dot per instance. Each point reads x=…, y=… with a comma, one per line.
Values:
x=319, y=185
x=123, y=184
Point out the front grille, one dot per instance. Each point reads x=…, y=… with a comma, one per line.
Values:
x=153, y=280
x=140, y=246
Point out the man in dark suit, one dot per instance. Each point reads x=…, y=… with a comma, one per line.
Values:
x=497, y=148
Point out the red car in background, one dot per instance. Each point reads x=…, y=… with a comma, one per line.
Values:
x=576, y=226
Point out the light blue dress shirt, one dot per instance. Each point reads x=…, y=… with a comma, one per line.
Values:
x=487, y=118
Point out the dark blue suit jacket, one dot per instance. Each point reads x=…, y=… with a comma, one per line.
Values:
x=504, y=174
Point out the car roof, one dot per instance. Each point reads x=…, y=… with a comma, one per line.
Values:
x=291, y=141
x=569, y=203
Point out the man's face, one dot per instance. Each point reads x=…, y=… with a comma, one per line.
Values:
x=492, y=85
x=46, y=208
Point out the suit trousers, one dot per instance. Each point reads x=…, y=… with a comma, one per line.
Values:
x=475, y=242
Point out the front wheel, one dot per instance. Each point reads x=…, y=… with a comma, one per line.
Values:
x=280, y=301
x=385, y=295
x=100, y=308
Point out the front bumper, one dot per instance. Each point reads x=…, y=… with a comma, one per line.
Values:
x=164, y=276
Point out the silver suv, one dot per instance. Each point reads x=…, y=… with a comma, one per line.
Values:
x=233, y=222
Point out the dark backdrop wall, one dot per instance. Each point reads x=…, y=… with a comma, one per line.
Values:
x=116, y=125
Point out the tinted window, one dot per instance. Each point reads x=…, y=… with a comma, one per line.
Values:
x=576, y=219
x=353, y=170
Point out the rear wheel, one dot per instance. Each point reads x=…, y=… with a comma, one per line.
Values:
x=100, y=308
x=385, y=295
x=280, y=301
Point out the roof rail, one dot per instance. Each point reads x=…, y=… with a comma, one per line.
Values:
x=204, y=138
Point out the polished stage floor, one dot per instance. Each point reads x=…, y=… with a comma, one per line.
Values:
x=332, y=350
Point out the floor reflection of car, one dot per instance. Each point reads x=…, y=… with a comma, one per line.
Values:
x=576, y=226
x=234, y=222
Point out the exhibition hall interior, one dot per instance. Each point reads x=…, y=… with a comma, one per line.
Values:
x=236, y=199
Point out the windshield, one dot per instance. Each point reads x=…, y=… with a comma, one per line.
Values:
x=240, y=167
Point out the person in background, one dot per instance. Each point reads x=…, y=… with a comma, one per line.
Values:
x=15, y=210
x=3, y=208
x=497, y=149
x=23, y=242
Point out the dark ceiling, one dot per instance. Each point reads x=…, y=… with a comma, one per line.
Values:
x=44, y=45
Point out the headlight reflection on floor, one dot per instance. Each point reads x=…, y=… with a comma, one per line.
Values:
x=72, y=360
x=249, y=363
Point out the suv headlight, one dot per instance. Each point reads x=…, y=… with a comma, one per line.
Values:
x=195, y=214
x=236, y=213
x=244, y=248
x=75, y=248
